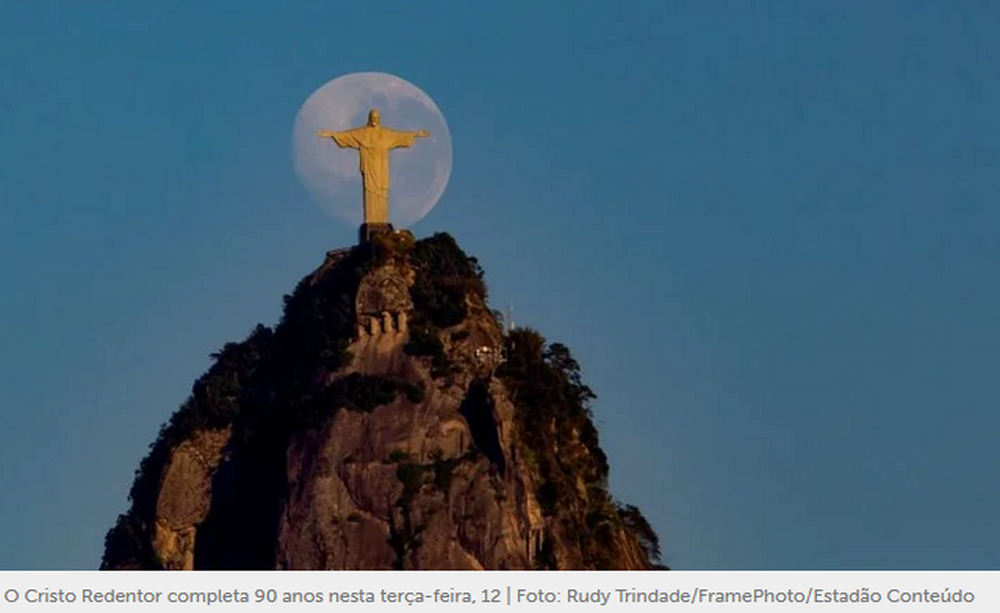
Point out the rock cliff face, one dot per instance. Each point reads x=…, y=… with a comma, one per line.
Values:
x=387, y=422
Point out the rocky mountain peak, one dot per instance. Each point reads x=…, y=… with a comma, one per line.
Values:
x=387, y=422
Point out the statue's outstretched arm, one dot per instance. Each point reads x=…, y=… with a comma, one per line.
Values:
x=403, y=138
x=343, y=139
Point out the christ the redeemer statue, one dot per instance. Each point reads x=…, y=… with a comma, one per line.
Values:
x=373, y=142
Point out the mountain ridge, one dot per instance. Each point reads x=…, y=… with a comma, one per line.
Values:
x=387, y=422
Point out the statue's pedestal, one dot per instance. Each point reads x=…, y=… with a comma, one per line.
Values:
x=368, y=231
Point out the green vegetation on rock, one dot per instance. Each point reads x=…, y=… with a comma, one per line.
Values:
x=445, y=276
x=355, y=392
x=424, y=341
x=556, y=436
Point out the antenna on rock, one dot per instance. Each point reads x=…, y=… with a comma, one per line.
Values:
x=510, y=317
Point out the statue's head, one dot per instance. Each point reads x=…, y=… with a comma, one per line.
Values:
x=374, y=118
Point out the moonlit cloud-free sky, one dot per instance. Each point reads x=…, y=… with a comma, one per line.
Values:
x=769, y=231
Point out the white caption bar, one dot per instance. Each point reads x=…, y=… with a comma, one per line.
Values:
x=499, y=591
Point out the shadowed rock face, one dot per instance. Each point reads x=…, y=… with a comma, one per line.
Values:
x=375, y=428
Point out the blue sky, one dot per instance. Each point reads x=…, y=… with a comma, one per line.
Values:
x=768, y=231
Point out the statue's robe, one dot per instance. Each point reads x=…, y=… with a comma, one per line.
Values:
x=374, y=143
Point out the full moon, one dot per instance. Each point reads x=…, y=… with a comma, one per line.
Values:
x=419, y=173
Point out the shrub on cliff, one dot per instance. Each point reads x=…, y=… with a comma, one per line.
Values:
x=445, y=275
x=636, y=522
x=554, y=421
x=319, y=321
x=355, y=392
x=424, y=341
